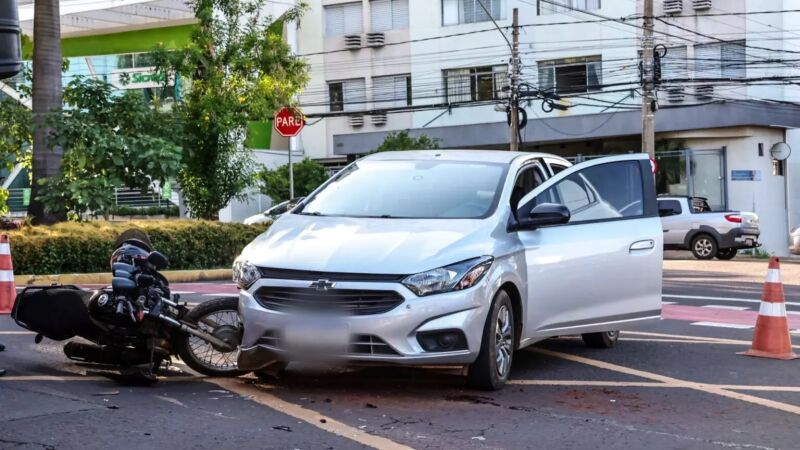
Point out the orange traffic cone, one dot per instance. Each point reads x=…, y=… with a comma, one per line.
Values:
x=8, y=289
x=771, y=338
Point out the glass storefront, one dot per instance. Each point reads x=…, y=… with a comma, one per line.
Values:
x=699, y=173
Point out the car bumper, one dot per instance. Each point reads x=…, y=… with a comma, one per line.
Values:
x=740, y=238
x=463, y=311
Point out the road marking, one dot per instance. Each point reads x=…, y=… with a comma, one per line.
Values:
x=675, y=341
x=91, y=378
x=707, y=388
x=668, y=303
x=221, y=295
x=23, y=333
x=708, y=340
x=723, y=325
x=648, y=384
x=183, y=292
x=723, y=299
x=261, y=396
x=736, y=308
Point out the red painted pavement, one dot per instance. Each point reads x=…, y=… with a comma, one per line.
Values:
x=719, y=315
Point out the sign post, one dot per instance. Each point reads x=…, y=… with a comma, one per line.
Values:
x=288, y=123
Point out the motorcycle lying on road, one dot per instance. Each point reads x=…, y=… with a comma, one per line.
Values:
x=135, y=325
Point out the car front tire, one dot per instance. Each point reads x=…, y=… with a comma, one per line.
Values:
x=491, y=369
x=704, y=247
x=606, y=339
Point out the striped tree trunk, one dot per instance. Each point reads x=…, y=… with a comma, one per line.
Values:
x=46, y=99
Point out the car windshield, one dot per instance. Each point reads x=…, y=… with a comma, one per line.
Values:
x=411, y=189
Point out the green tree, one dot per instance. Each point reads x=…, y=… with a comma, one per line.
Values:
x=238, y=70
x=109, y=141
x=400, y=140
x=16, y=121
x=308, y=175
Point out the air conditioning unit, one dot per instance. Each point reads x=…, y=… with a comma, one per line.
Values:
x=379, y=119
x=704, y=92
x=356, y=121
x=673, y=6
x=701, y=5
x=352, y=41
x=376, y=39
x=676, y=94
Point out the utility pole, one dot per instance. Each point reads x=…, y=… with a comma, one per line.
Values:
x=648, y=82
x=514, y=70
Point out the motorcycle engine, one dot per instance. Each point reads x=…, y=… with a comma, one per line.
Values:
x=116, y=310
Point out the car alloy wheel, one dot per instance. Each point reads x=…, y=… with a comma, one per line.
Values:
x=704, y=247
x=503, y=341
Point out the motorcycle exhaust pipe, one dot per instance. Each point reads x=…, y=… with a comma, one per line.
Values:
x=219, y=343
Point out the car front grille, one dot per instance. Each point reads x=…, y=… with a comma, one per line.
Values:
x=349, y=302
x=290, y=274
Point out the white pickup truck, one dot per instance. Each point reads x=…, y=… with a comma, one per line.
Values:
x=690, y=224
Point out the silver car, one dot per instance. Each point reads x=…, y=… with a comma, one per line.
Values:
x=455, y=258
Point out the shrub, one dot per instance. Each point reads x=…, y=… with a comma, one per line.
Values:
x=169, y=211
x=86, y=247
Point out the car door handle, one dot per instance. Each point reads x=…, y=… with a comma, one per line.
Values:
x=647, y=244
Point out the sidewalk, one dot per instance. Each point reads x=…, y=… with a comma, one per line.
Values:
x=753, y=271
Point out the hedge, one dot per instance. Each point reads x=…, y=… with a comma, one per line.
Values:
x=86, y=247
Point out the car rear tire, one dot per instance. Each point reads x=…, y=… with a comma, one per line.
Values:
x=727, y=254
x=490, y=370
x=606, y=339
x=704, y=247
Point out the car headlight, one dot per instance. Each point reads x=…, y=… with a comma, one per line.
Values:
x=245, y=273
x=454, y=277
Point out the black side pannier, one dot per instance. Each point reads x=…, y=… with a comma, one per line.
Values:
x=56, y=312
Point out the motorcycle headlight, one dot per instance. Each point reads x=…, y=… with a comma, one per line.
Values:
x=454, y=277
x=244, y=273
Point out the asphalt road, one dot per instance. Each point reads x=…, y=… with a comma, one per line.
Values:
x=676, y=384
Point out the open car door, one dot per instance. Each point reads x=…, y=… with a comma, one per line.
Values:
x=602, y=269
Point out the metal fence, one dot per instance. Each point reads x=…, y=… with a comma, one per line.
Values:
x=18, y=200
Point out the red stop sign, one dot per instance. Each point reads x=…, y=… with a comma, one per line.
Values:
x=289, y=121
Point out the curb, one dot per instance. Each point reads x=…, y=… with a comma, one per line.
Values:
x=174, y=276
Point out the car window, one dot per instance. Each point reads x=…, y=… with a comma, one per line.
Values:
x=606, y=191
x=700, y=205
x=557, y=168
x=419, y=189
x=528, y=179
x=671, y=207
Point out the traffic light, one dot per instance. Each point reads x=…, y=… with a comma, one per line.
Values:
x=10, y=47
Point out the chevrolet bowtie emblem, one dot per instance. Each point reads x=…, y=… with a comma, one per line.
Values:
x=322, y=285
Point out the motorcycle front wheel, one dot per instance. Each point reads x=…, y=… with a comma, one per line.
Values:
x=220, y=318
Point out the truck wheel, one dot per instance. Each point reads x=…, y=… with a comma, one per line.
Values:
x=727, y=254
x=490, y=371
x=606, y=339
x=704, y=247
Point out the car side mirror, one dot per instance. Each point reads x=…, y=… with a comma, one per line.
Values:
x=545, y=214
x=119, y=284
x=158, y=260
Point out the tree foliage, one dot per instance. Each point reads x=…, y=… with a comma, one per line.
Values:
x=16, y=123
x=238, y=71
x=109, y=141
x=400, y=140
x=308, y=175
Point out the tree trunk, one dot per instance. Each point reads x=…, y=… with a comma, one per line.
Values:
x=46, y=99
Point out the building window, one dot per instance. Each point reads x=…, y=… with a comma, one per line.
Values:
x=389, y=14
x=135, y=60
x=571, y=75
x=347, y=95
x=720, y=60
x=674, y=64
x=455, y=12
x=475, y=84
x=544, y=7
x=391, y=91
x=344, y=19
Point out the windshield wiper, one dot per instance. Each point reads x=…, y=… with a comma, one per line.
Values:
x=313, y=213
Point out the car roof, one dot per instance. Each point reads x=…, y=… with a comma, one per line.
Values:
x=492, y=156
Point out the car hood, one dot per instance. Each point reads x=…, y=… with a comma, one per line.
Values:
x=369, y=245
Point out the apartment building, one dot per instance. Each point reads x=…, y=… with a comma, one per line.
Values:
x=439, y=67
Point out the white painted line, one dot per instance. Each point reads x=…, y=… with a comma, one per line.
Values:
x=220, y=295
x=722, y=299
x=797, y=332
x=735, y=308
x=183, y=292
x=23, y=333
x=668, y=303
x=796, y=313
x=723, y=325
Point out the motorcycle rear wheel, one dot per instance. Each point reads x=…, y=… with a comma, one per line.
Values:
x=202, y=356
